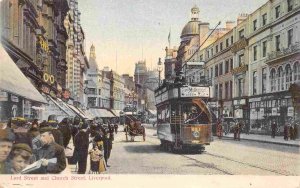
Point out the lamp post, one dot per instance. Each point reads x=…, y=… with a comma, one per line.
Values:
x=159, y=69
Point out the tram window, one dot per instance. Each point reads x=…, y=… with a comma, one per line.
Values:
x=192, y=114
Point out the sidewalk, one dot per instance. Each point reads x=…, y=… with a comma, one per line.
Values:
x=266, y=139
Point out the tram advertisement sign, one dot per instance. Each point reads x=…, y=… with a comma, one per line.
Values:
x=194, y=92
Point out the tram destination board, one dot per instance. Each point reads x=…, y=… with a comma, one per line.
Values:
x=194, y=92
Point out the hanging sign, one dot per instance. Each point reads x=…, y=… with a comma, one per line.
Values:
x=48, y=78
x=194, y=92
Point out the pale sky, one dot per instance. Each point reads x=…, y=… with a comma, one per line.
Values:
x=139, y=29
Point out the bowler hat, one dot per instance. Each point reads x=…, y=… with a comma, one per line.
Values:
x=22, y=146
x=7, y=135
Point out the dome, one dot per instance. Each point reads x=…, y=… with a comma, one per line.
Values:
x=191, y=28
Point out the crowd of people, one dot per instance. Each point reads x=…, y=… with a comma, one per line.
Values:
x=41, y=148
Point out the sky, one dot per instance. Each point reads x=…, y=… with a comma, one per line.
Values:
x=126, y=31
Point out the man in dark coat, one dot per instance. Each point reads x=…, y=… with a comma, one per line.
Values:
x=107, y=144
x=65, y=129
x=286, y=132
x=50, y=150
x=81, y=143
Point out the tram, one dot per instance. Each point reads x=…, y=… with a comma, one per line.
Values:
x=184, y=121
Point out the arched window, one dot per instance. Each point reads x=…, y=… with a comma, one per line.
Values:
x=296, y=69
x=280, y=79
x=288, y=76
x=273, y=80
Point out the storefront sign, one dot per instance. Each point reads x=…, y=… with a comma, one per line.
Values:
x=45, y=89
x=14, y=98
x=274, y=112
x=241, y=44
x=242, y=68
x=48, y=78
x=194, y=92
x=239, y=102
x=3, y=96
x=290, y=111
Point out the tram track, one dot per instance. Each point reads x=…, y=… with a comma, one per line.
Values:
x=212, y=166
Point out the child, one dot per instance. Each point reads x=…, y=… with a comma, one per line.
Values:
x=95, y=156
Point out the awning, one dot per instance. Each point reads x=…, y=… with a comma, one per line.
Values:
x=116, y=112
x=153, y=112
x=60, y=104
x=77, y=111
x=101, y=112
x=14, y=81
x=88, y=114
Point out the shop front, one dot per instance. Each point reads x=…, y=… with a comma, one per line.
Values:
x=241, y=110
x=266, y=109
x=18, y=96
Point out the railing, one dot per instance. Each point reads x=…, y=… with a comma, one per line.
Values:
x=283, y=52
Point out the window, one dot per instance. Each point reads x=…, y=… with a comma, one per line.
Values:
x=264, y=80
x=231, y=39
x=254, y=53
x=221, y=68
x=264, y=48
x=221, y=46
x=226, y=66
x=211, y=72
x=216, y=91
x=226, y=90
x=296, y=69
x=277, y=40
x=288, y=76
x=280, y=79
x=277, y=11
x=241, y=33
x=220, y=91
x=241, y=60
x=290, y=4
x=217, y=48
x=227, y=43
x=231, y=63
x=254, y=25
x=254, y=83
x=264, y=19
x=230, y=89
x=290, y=37
x=208, y=54
x=212, y=51
x=216, y=71
x=240, y=87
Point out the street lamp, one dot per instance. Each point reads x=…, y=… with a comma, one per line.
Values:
x=159, y=69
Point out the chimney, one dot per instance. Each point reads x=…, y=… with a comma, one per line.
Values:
x=229, y=25
x=241, y=18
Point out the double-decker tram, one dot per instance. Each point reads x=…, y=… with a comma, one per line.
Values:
x=183, y=118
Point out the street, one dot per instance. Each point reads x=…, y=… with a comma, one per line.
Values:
x=222, y=157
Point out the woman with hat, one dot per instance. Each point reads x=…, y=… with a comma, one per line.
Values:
x=19, y=158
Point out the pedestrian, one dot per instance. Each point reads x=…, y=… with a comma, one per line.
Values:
x=219, y=129
x=35, y=124
x=81, y=143
x=19, y=158
x=239, y=129
x=273, y=127
x=107, y=144
x=286, y=132
x=292, y=133
x=7, y=138
x=95, y=156
x=116, y=128
x=50, y=150
x=65, y=129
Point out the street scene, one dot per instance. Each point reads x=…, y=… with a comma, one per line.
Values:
x=174, y=87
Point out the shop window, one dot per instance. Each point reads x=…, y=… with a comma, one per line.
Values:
x=288, y=76
x=273, y=80
x=280, y=79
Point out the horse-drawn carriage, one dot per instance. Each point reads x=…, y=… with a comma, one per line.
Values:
x=133, y=127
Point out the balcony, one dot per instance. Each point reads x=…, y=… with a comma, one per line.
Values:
x=273, y=57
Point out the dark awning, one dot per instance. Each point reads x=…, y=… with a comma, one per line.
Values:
x=12, y=79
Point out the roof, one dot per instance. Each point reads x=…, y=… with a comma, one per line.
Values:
x=98, y=112
x=14, y=81
x=191, y=28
